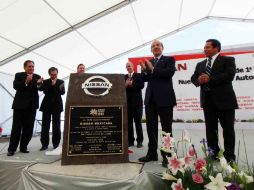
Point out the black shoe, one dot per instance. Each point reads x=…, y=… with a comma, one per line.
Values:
x=10, y=153
x=148, y=158
x=215, y=158
x=131, y=144
x=139, y=145
x=165, y=162
x=24, y=151
x=43, y=148
x=230, y=158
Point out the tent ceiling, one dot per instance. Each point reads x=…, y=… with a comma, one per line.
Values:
x=25, y=23
x=66, y=32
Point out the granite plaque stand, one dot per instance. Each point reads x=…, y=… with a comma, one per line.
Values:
x=95, y=127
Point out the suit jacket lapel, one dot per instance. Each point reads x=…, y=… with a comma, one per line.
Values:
x=159, y=61
x=203, y=66
x=216, y=61
x=152, y=61
x=57, y=82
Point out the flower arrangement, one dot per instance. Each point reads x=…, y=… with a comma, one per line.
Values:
x=191, y=172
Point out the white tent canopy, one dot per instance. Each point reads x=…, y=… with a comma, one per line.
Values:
x=65, y=33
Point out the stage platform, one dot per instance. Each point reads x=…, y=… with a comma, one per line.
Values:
x=38, y=171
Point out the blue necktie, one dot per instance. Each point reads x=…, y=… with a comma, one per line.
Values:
x=155, y=61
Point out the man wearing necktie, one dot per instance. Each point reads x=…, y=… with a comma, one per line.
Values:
x=134, y=85
x=214, y=75
x=25, y=104
x=51, y=106
x=159, y=99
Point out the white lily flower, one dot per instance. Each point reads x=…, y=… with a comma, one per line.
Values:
x=223, y=162
x=249, y=179
x=186, y=136
x=225, y=166
x=217, y=183
x=229, y=169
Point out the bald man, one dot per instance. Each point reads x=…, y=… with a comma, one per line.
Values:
x=159, y=99
x=134, y=85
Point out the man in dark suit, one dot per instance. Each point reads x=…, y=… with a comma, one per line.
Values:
x=215, y=75
x=159, y=99
x=52, y=105
x=24, y=106
x=134, y=85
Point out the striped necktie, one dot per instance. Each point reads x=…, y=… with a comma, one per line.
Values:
x=208, y=71
x=209, y=66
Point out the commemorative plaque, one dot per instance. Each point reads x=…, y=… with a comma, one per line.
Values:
x=95, y=129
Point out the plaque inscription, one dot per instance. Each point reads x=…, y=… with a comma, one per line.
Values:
x=95, y=130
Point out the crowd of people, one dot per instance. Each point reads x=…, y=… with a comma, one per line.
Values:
x=214, y=76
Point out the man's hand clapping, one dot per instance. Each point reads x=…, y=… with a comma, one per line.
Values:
x=40, y=81
x=203, y=78
x=29, y=78
x=61, y=86
x=128, y=82
x=53, y=82
x=149, y=65
x=142, y=65
x=146, y=65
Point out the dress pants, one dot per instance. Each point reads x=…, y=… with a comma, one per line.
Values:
x=166, y=118
x=226, y=117
x=22, y=128
x=56, y=130
x=135, y=113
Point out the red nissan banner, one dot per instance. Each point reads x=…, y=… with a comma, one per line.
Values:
x=137, y=60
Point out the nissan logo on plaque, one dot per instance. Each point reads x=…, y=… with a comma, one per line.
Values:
x=97, y=86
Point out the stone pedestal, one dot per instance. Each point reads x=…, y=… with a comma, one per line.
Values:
x=95, y=128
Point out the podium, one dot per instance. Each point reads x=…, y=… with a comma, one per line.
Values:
x=95, y=127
